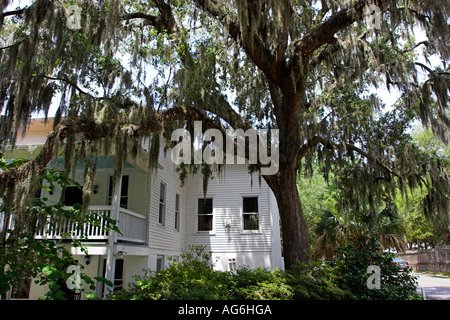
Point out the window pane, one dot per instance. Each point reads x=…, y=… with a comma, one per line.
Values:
x=205, y=223
x=124, y=202
x=205, y=206
x=161, y=213
x=162, y=192
x=124, y=191
x=118, y=272
x=177, y=211
x=251, y=222
x=162, y=203
x=177, y=202
x=251, y=205
x=159, y=263
x=72, y=196
x=177, y=221
x=118, y=275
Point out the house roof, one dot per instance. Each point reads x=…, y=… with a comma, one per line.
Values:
x=29, y=145
x=36, y=133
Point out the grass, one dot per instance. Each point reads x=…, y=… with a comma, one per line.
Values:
x=435, y=273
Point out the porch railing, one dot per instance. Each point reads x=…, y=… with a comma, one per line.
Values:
x=131, y=224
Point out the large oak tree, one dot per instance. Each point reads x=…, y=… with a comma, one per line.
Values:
x=137, y=69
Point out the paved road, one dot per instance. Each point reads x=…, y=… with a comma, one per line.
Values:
x=436, y=287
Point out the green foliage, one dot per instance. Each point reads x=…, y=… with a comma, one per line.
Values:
x=195, y=279
x=259, y=284
x=192, y=279
x=352, y=262
x=342, y=278
x=317, y=281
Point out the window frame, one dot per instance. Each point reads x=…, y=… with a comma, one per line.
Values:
x=161, y=261
x=119, y=272
x=177, y=225
x=110, y=196
x=79, y=193
x=162, y=214
x=212, y=214
x=243, y=214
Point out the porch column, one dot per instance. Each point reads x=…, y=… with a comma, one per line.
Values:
x=112, y=236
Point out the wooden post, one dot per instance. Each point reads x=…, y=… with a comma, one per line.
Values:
x=112, y=237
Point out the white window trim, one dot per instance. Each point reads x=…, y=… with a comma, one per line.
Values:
x=163, y=262
x=259, y=231
x=177, y=219
x=163, y=223
x=210, y=232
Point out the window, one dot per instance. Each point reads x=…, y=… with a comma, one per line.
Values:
x=73, y=195
x=177, y=212
x=123, y=191
x=162, y=204
x=159, y=263
x=205, y=214
x=118, y=274
x=250, y=213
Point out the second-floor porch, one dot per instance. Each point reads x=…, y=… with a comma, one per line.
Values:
x=132, y=227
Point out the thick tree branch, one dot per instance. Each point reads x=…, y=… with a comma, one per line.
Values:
x=304, y=150
x=270, y=63
x=92, y=131
x=70, y=83
x=164, y=22
x=18, y=12
x=324, y=33
x=312, y=142
x=154, y=21
x=425, y=42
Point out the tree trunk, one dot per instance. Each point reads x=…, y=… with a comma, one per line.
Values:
x=296, y=245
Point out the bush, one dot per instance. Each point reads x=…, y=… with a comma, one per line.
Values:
x=195, y=279
x=259, y=284
x=351, y=265
x=192, y=279
x=315, y=282
x=344, y=277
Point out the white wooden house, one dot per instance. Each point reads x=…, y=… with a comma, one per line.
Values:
x=237, y=221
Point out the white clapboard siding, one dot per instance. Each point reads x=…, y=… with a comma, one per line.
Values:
x=165, y=237
x=227, y=192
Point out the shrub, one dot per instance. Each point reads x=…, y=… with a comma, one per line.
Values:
x=192, y=279
x=351, y=265
x=259, y=284
x=344, y=277
x=315, y=282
